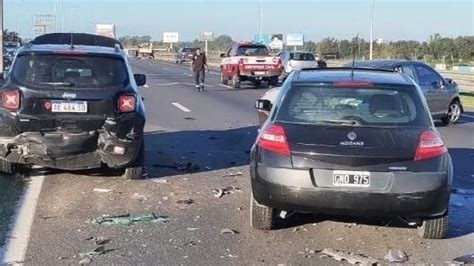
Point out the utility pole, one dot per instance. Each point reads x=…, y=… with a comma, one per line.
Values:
x=372, y=30
x=62, y=15
x=1, y=37
x=260, y=21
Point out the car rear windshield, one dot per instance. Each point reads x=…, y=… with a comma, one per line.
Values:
x=302, y=57
x=353, y=106
x=252, y=50
x=76, y=71
x=189, y=50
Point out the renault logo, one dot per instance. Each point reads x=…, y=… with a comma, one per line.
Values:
x=352, y=136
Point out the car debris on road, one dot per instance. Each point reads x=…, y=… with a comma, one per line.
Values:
x=226, y=231
x=396, y=256
x=220, y=192
x=349, y=257
x=128, y=219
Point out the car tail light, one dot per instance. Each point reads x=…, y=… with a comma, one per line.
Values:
x=126, y=103
x=241, y=64
x=353, y=83
x=273, y=138
x=11, y=99
x=430, y=145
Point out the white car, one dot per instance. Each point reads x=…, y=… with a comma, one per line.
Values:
x=297, y=60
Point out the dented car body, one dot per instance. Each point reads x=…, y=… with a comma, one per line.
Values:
x=72, y=107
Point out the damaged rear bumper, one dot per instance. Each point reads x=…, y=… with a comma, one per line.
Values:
x=70, y=151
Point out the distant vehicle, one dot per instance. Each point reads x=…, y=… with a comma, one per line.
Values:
x=442, y=94
x=297, y=60
x=145, y=50
x=185, y=54
x=10, y=49
x=72, y=107
x=250, y=62
x=106, y=30
x=356, y=143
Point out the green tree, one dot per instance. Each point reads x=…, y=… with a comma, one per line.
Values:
x=11, y=36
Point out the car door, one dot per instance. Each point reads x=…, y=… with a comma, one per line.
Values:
x=433, y=86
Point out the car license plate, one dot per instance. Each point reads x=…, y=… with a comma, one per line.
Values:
x=69, y=107
x=260, y=73
x=351, y=179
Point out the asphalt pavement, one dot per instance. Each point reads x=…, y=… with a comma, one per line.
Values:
x=197, y=142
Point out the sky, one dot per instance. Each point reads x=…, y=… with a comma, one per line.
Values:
x=316, y=19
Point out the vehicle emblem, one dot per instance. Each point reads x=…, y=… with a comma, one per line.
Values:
x=352, y=136
x=69, y=95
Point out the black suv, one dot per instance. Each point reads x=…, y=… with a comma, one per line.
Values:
x=71, y=102
x=185, y=54
x=351, y=142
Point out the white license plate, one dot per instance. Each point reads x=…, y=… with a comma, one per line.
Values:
x=351, y=179
x=69, y=106
x=260, y=73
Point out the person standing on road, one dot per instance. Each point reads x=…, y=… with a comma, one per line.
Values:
x=198, y=66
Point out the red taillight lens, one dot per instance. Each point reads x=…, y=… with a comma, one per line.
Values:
x=126, y=103
x=11, y=99
x=241, y=63
x=430, y=145
x=273, y=138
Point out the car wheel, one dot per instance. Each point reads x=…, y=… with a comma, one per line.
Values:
x=273, y=81
x=224, y=80
x=454, y=113
x=236, y=82
x=135, y=171
x=7, y=167
x=262, y=217
x=434, y=228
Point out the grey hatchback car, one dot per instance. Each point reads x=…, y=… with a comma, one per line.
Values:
x=442, y=94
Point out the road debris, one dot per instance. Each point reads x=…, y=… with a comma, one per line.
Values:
x=159, y=181
x=100, y=241
x=299, y=229
x=128, y=219
x=185, y=202
x=192, y=229
x=102, y=190
x=220, y=192
x=349, y=257
x=232, y=174
x=396, y=256
x=139, y=197
x=467, y=259
x=226, y=231
x=87, y=256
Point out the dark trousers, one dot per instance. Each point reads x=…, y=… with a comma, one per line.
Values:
x=199, y=76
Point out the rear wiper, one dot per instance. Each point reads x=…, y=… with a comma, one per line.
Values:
x=58, y=84
x=341, y=122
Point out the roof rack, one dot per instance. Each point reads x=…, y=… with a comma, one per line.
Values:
x=76, y=39
x=350, y=68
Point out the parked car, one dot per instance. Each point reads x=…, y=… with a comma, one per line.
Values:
x=442, y=94
x=297, y=60
x=70, y=102
x=185, y=54
x=350, y=142
x=253, y=62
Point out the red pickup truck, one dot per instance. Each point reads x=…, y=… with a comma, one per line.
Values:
x=250, y=62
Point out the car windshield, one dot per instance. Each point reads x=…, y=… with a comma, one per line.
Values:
x=189, y=50
x=353, y=106
x=82, y=71
x=252, y=50
x=302, y=57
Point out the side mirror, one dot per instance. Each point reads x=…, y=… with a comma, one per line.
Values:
x=223, y=55
x=263, y=105
x=140, y=79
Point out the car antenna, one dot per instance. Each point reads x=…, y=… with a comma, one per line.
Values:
x=72, y=40
x=354, y=56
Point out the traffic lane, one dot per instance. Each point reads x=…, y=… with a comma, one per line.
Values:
x=11, y=188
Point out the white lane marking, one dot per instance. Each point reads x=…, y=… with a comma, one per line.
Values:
x=15, y=248
x=225, y=86
x=182, y=108
x=146, y=86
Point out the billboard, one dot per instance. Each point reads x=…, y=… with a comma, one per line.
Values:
x=170, y=37
x=206, y=36
x=276, y=42
x=295, y=39
x=107, y=30
x=263, y=38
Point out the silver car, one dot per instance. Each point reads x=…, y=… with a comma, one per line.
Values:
x=297, y=60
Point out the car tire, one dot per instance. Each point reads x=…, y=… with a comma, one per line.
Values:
x=135, y=170
x=434, y=228
x=262, y=217
x=454, y=113
x=7, y=167
x=224, y=80
x=273, y=81
x=236, y=82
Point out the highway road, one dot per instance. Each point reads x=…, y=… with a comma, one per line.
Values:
x=214, y=131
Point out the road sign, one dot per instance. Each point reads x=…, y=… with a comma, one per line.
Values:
x=170, y=37
x=107, y=30
x=262, y=38
x=295, y=39
x=206, y=36
x=276, y=42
